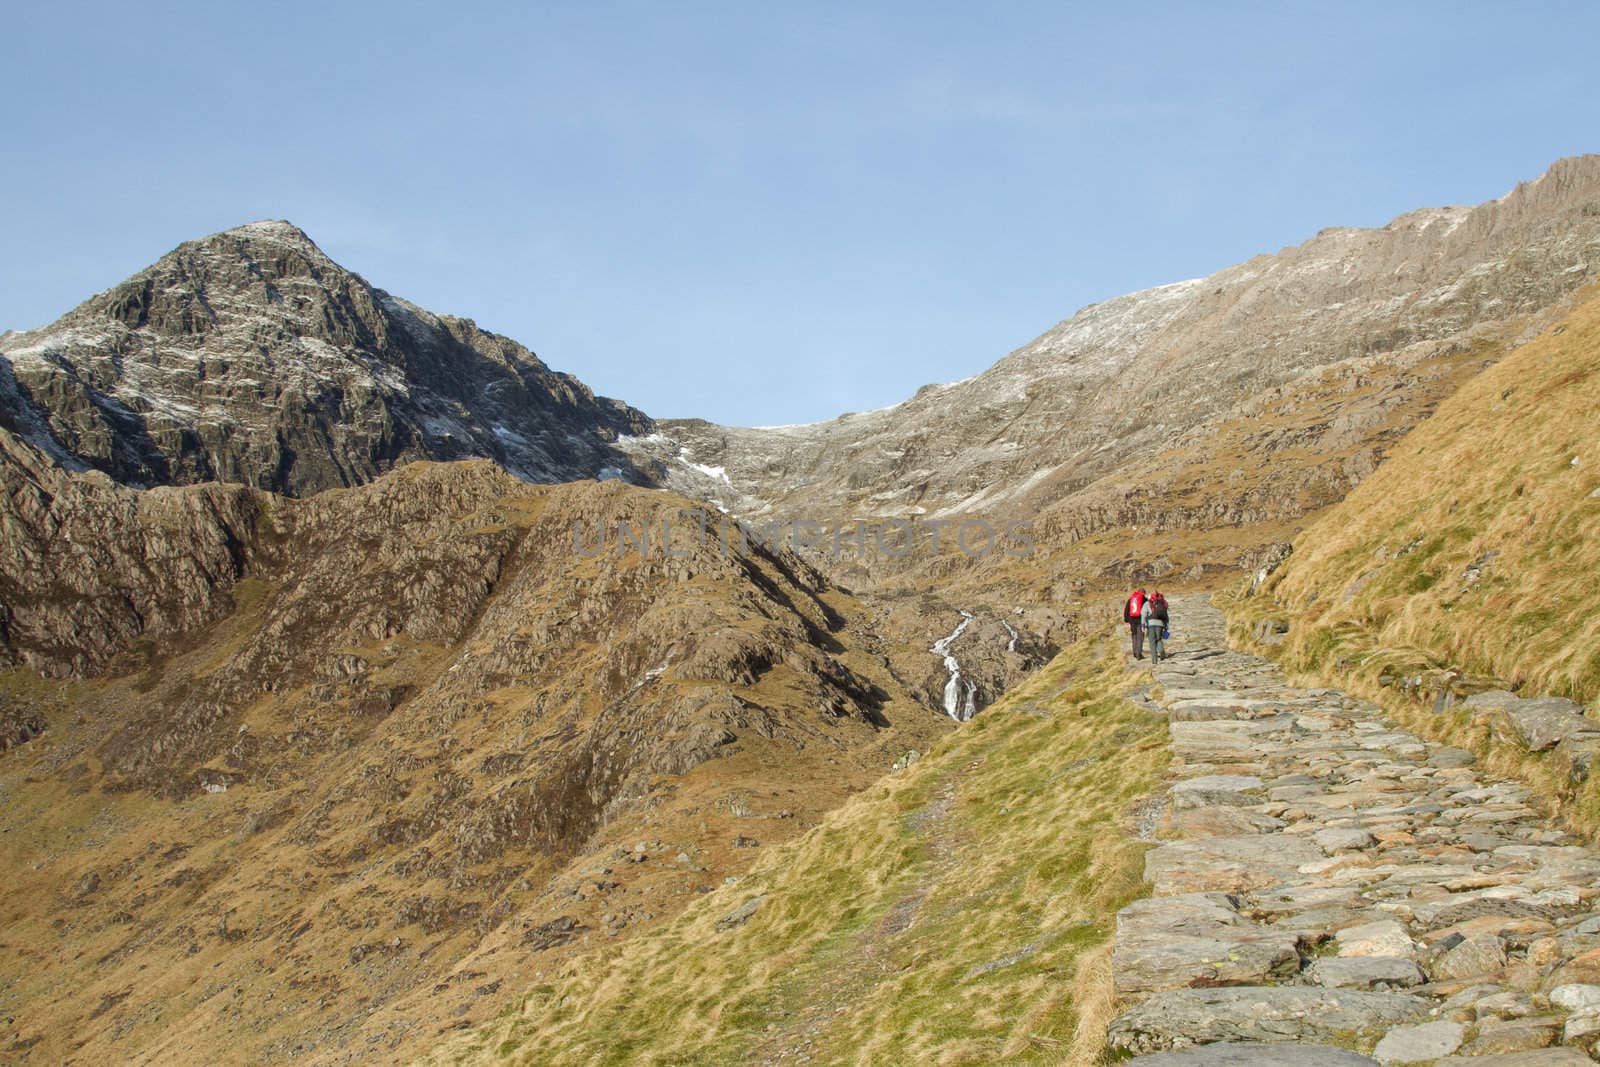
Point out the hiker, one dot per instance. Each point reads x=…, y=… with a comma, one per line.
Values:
x=1131, y=615
x=1153, y=616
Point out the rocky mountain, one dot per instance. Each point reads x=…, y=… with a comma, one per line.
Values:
x=344, y=767
x=251, y=357
x=1156, y=371
x=312, y=749
x=1378, y=850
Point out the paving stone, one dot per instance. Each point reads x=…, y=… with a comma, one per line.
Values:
x=1179, y=1018
x=1216, y=820
x=1234, y=789
x=1555, y=1057
x=1500, y=1036
x=1384, y=937
x=1235, y=1055
x=1425, y=1041
x=1226, y=863
x=1576, y=997
x=1196, y=939
x=1478, y=954
x=1339, y=838
x=1449, y=756
x=1364, y=972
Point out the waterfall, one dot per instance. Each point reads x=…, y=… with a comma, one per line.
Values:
x=960, y=694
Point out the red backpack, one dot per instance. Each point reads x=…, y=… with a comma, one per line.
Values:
x=1135, y=605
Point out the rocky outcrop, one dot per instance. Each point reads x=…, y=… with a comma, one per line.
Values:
x=1387, y=896
x=383, y=731
x=87, y=566
x=251, y=357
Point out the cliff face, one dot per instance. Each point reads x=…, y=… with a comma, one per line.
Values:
x=434, y=700
x=251, y=357
x=87, y=566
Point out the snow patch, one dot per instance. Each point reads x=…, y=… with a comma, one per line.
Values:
x=716, y=473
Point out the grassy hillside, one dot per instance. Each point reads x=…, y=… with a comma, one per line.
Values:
x=1468, y=559
x=360, y=809
x=959, y=912
x=1209, y=503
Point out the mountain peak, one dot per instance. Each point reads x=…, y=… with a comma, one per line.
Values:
x=278, y=233
x=279, y=228
x=251, y=356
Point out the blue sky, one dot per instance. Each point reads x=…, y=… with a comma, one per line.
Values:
x=762, y=213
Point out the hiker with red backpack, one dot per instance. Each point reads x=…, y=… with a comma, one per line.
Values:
x=1154, y=617
x=1132, y=614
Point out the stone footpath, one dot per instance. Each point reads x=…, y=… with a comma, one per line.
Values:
x=1328, y=880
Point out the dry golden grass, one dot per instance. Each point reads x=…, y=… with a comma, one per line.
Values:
x=957, y=913
x=1472, y=550
x=1202, y=510
x=368, y=880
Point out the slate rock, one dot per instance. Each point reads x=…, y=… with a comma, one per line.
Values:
x=1236, y=1055
x=1539, y=723
x=1576, y=997
x=1478, y=954
x=1235, y=789
x=1546, y=1057
x=1227, y=863
x=1450, y=756
x=1196, y=939
x=1582, y=1028
x=741, y=915
x=1500, y=1036
x=1364, y=972
x=1342, y=838
x=1217, y=820
x=1573, y=758
x=1425, y=1041
x=1179, y=1018
x=1385, y=937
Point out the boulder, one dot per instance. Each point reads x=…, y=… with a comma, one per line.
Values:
x=1539, y=723
x=1573, y=758
x=741, y=915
